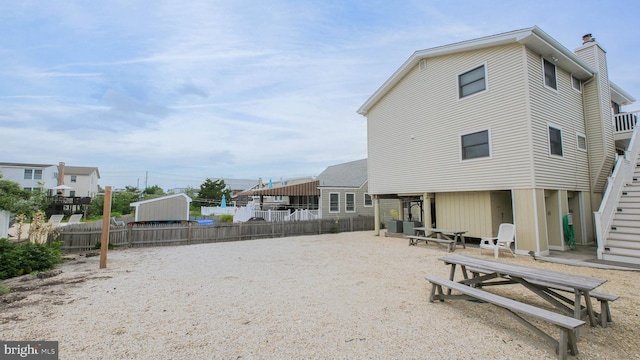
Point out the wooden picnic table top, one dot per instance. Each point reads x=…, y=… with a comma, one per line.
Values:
x=436, y=230
x=582, y=283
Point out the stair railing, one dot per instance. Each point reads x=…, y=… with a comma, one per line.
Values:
x=621, y=176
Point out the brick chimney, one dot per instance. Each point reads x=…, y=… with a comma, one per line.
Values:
x=60, y=177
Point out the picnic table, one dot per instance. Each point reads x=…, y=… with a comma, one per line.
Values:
x=441, y=236
x=545, y=283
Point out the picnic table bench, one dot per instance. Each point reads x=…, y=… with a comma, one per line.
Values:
x=605, y=312
x=567, y=340
x=441, y=236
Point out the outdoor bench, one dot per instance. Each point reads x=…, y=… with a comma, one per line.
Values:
x=413, y=240
x=568, y=325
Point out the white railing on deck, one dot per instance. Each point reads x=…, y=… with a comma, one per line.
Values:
x=625, y=122
x=303, y=214
x=622, y=175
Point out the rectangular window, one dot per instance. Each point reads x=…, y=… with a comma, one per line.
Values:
x=475, y=145
x=550, y=74
x=72, y=193
x=368, y=200
x=28, y=174
x=350, y=202
x=334, y=202
x=555, y=141
x=37, y=174
x=576, y=84
x=472, y=82
x=581, y=141
x=73, y=178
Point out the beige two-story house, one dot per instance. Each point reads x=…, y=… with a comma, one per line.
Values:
x=512, y=128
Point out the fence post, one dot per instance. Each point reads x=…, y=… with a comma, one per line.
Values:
x=189, y=235
x=130, y=235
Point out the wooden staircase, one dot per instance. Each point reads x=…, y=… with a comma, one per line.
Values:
x=623, y=241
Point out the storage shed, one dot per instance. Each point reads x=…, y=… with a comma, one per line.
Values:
x=165, y=208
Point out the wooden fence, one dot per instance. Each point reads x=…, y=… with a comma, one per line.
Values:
x=84, y=237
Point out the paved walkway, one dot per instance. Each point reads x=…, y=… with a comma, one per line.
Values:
x=585, y=255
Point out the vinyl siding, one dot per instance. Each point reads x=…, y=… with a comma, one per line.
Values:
x=598, y=117
x=170, y=209
x=562, y=109
x=470, y=211
x=530, y=221
x=360, y=209
x=414, y=130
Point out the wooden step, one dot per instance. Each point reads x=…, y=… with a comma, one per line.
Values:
x=622, y=229
x=621, y=258
x=614, y=235
x=622, y=251
x=623, y=244
x=627, y=216
x=628, y=209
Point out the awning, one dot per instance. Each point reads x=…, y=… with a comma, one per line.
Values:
x=304, y=189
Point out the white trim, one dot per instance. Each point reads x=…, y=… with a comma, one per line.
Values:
x=486, y=80
x=346, y=196
x=557, y=127
x=460, y=135
x=334, y=211
x=544, y=78
x=573, y=87
x=578, y=136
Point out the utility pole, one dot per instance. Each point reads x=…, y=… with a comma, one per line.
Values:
x=146, y=180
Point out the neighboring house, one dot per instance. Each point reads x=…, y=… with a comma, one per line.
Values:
x=344, y=192
x=30, y=176
x=290, y=194
x=511, y=128
x=83, y=181
x=165, y=208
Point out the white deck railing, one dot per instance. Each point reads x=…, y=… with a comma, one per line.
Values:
x=303, y=214
x=622, y=175
x=625, y=122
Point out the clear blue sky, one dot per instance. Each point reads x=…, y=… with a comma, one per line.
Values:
x=186, y=90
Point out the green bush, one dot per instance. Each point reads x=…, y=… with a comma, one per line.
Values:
x=19, y=259
x=226, y=218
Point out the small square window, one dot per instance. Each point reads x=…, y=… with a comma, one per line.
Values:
x=550, y=79
x=28, y=174
x=472, y=82
x=576, y=84
x=475, y=145
x=73, y=178
x=582, y=142
x=555, y=141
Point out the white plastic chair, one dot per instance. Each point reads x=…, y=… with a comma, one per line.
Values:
x=506, y=236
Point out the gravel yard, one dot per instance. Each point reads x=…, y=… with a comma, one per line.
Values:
x=338, y=296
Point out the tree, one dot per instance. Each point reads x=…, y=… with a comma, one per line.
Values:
x=211, y=192
x=120, y=202
x=154, y=190
x=13, y=198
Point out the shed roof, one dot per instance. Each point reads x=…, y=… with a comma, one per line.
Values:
x=352, y=174
x=137, y=203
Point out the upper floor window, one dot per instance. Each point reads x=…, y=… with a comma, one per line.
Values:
x=581, y=141
x=37, y=174
x=550, y=74
x=28, y=174
x=350, y=202
x=555, y=140
x=472, y=81
x=476, y=145
x=73, y=178
x=576, y=84
x=334, y=202
x=368, y=200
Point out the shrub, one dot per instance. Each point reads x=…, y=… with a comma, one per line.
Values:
x=4, y=290
x=227, y=218
x=25, y=258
